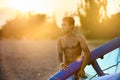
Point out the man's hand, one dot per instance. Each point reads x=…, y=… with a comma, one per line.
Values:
x=64, y=67
x=81, y=73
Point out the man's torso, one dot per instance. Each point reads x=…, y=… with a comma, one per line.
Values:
x=72, y=48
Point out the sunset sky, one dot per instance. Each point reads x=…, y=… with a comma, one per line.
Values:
x=8, y=8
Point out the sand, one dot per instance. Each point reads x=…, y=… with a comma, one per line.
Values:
x=27, y=59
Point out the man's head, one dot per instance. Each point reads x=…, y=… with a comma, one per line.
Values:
x=68, y=24
x=69, y=20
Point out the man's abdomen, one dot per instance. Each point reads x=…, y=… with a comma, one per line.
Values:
x=71, y=55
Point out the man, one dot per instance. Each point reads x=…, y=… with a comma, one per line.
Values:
x=70, y=47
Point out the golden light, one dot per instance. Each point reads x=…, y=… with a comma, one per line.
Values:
x=102, y=14
x=19, y=5
x=58, y=7
x=113, y=7
x=34, y=6
x=49, y=7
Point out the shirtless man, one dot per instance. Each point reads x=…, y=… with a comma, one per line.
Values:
x=70, y=47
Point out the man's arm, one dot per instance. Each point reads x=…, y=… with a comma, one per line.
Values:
x=59, y=51
x=60, y=55
x=86, y=53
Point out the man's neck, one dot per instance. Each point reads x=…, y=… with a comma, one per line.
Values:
x=69, y=34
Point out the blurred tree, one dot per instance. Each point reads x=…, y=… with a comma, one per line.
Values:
x=88, y=12
x=34, y=27
x=94, y=20
x=89, y=15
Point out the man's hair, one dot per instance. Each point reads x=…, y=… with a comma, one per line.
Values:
x=70, y=20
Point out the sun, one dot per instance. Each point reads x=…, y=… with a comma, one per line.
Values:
x=113, y=7
x=19, y=5
x=58, y=7
x=34, y=6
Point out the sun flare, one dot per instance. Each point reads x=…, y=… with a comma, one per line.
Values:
x=57, y=7
x=113, y=7
x=33, y=6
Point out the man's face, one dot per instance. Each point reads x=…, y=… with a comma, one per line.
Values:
x=66, y=27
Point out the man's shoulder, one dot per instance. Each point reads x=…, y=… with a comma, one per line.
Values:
x=61, y=38
x=80, y=36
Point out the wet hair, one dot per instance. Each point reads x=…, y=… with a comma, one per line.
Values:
x=70, y=20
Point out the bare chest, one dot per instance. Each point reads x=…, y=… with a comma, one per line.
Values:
x=70, y=43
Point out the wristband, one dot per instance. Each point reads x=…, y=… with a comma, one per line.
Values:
x=61, y=64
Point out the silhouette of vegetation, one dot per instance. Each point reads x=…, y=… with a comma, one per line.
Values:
x=94, y=24
x=34, y=27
